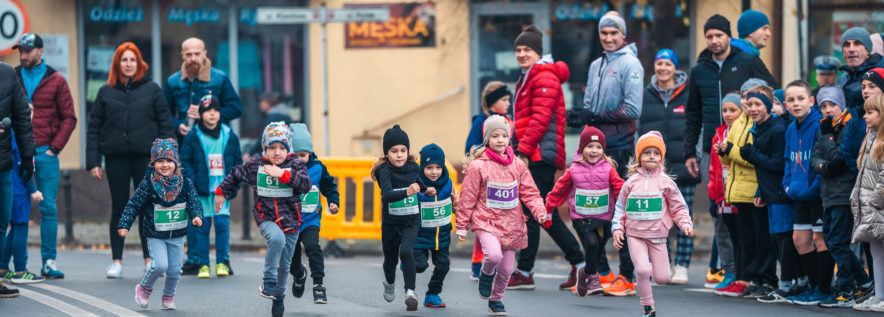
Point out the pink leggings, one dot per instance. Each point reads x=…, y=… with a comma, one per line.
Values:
x=496, y=258
x=648, y=258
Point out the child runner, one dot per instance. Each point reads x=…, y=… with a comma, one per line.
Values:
x=494, y=184
x=278, y=179
x=648, y=205
x=166, y=199
x=398, y=176
x=726, y=239
x=208, y=153
x=16, y=245
x=589, y=186
x=311, y=215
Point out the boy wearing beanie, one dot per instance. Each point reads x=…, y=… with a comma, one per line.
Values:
x=208, y=153
x=311, y=215
x=753, y=28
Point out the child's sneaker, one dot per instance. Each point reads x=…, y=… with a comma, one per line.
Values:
x=169, y=302
x=6, y=292
x=7, y=275
x=484, y=285
x=299, y=283
x=868, y=304
x=319, y=294
x=190, y=268
x=607, y=279
x=572, y=279
x=26, y=278
x=265, y=290
x=221, y=269
x=864, y=292
x=620, y=287
x=50, y=270
x=115, y=270
x=278, y=308
x=142, y=294
x=474, y=271
x=594, y=287
x=732, y=290
x=762, y=291
x=229, y=268
x=520, y=282
x=649, y=311
x=204, y=272
x=713, y=279
x=747, y=292
x=810, y=297
x=410, y=300
x=842, y=299
x=582, y=283
x=496, y=308
x=727, y=281
x=433, y=301
x=679, y=275
x=389, y=292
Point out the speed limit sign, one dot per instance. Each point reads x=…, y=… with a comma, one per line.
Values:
x=13, y=23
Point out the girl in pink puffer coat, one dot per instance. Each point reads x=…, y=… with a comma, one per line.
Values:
x=494, y=184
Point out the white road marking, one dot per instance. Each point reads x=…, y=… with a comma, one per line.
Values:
x=91, y=300
x=56, y=304
x=699, y=290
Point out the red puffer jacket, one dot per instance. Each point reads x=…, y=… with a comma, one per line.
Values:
x=540, y=113
x=54, y=115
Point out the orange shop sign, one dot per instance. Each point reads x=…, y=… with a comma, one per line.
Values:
x=13, y=23
x=410, y=25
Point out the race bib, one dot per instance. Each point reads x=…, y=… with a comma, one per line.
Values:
x=407, y=206
x=502, y=195
x=725, y=170
x=435, y=213
x=591, y=202
x=310, y=201
x=216, y=165
x=644, y=206
x=170, y=218
x=269, y=186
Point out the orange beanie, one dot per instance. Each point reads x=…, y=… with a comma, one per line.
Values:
x=650, y=139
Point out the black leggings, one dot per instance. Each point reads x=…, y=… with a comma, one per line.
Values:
x=308, y=240
x=730, y=220
x=760, y=257
x=591, y=232
x=398, y=243
x=121, y=170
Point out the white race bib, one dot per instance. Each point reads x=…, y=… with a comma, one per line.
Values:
x=170, y=218
x=216, y=165
x=591, y=202
x=644, y=206
x=269, y=186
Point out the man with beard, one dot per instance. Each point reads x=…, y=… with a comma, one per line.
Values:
x=753, y=28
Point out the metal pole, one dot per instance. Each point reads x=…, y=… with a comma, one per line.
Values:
x=156, y=43
x=323, y=13
x=68, y=208
x=246, y=214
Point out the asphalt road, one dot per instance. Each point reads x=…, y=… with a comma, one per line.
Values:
x=354, y=286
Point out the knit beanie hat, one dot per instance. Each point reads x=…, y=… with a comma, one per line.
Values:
x=667, y=54
x=732, y=98
x=833, y=94
x=779, y=95
x=718, y=22
x=750, y=21
x=209, y=102
x=859, y=34
x=876, y=76
x=301, y=140
x=494, y=122
x=432, y=154
x=591, y=134
x=395, y=136
x=531, y=37
x=650, y=139
x=164, y=149
x=752, y=83
x=276, y=132
x=614, y=21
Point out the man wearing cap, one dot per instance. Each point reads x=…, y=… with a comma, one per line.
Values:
x=753, y=27
x=826, y=71
x=54, y=121
x=540, y=130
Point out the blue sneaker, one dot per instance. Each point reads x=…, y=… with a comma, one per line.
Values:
x=50, y=270
x=810, y=297
x=729, y=278
x=475, y=271
x=484, y=285
x=26, y=278
x=266, y=291
x=496, y=308
x=433, y=301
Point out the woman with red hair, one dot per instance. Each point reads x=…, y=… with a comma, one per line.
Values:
x=128, y=114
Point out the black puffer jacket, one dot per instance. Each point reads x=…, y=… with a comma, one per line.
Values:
x=664, y=111
x=828, y=161
x=126, y=119
x=768, y=156
x=14, y=105
x=708, y=84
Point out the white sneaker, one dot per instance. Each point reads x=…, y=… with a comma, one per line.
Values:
x=115, y=270
x=410, y=300
x=867, y=304
x=876, y=307
x=679, y=275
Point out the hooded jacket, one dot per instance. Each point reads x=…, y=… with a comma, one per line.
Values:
x=145, y=200
x=195, y=161
x=614, y=92
x=664, y=111
x=718, y=173
x=767, y=156
x=800, y=177
x=14, y=105
x=742, y=183
x=539, y=107
x=600, y=176
x=867, y=198
x=325, y=184
x=851, y=80
x=828, y=161
x=673, y=208
x=54, y=115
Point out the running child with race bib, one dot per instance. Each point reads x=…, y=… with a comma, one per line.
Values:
x=166, y=198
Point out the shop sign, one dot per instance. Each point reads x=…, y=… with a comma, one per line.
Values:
x=578, y=11
x=114, y=14
x=56, y=53
x=410, y=25
x=13, y=23
x=189, y=17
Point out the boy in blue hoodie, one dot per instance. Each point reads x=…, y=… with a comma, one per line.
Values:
x=16, y=244
x=208, y=153
x=434, y=236
x=311, y=215
x=802, y=185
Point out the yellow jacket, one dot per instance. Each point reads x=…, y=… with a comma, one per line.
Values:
x=741, y=183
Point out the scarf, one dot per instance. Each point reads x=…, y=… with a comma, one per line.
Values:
x=214, y=133
x=439, y=183
x=169, y=187
x=497, y=158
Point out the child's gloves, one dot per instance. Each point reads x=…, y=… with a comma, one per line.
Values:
x=549, y=215
x=746, y=151
x=826, y=126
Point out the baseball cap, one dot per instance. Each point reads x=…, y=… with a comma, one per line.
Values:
x=29, y=41
x=826, y=64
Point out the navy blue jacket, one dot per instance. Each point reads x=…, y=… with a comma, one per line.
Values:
x=194, y=164
x=328, y=187
x=475, y=135
x=767, y=154
x=143, y=201
x=435, y=238
x=181, y=93
x=851, y=80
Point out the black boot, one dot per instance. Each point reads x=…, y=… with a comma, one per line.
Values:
x=190, y=268
x=298, y=283
x=278, y=308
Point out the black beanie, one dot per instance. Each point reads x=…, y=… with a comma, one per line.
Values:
x=209, y=102
x=531, y=37
x=718, y=22
x=394, y=136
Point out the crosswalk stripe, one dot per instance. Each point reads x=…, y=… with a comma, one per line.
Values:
x=56, y=304
x=91, y=300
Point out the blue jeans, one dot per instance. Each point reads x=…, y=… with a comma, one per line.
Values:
x=46, y=175
x=280, y=248
x=16, y=248
x=193, y=252
x=5, y=205
x=222, y=238
x=165, y=257
x=837, y=230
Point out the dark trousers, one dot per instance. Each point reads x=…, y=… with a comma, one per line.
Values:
x=591, y=232
x=730, y=220
x=398, y=243
x=441, y=265
x=622, y=157
x=544, y=176
x=787, y=255
x=760, y=257
x=308, y=240
x=837, y=228
x=122, y=171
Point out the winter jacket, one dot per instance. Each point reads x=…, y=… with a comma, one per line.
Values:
x=708, y=84
x=663, y=206
x=828, y=161
x=663, y=110
x=145, y=200
x=539, y=106
x=14, y=105
x=767, y=154
x=508, y=224
x=21, y=191
x=614, y=93
x=125, y=120
x=432, y=236
x=718, y=174
x=745, y=46
x=867, y=198
x=474, y=138
x=277, y=205
x=800, y=177
x=181, y=92
x=741, y=183
x=852, y=141
x=598, y=183
x=324, y=184
x=851, y=80
x=394, y=182
x=195, y=161
x=54, y=114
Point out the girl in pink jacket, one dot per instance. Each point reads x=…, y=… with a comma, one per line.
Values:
x=494, y=184
x=648, y=205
